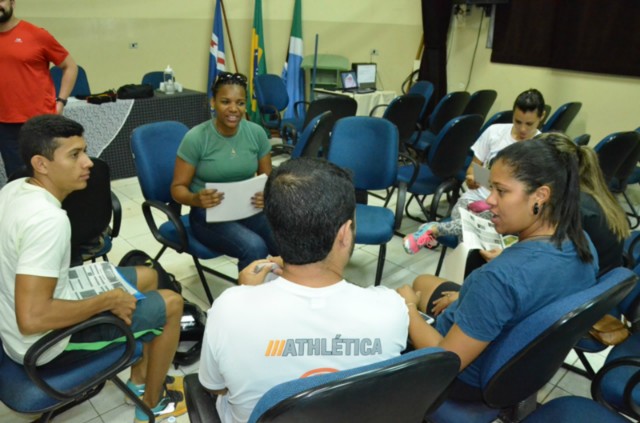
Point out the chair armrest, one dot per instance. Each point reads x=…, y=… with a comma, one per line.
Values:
x=268, y=109
x=633, y=382
x=402, y=189
x=444, y=187
x=282, y=149
x=298, y=103
x=372, y=112
x=52, y=338
x=117, y=215
x=201, y=404
x=404, y=157
x=173, y=217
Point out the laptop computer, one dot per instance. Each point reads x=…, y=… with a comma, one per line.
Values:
x=349, y=81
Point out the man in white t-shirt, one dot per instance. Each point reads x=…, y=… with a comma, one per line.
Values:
x=35, y=250
x=309, y=320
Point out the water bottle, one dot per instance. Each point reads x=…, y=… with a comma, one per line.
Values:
x=169, y=80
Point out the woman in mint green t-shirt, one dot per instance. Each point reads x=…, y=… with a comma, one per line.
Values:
x=226, y=148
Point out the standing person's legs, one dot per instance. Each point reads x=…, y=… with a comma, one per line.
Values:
x=9, y=147
x=231, y=238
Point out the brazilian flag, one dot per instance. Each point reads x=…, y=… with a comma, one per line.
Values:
x=258, y=63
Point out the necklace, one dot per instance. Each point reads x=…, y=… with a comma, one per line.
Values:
x=226, y=137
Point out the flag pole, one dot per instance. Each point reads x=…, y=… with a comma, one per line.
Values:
x=226, y=24
x=315, y=68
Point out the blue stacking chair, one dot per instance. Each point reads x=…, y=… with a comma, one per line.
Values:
x=368, y=147
x=562, y=118
x=425, y=89
x=450, y=106
x=404, y=112
x=618, y=154
x=438, y=175
x=154, y=147
x=153, y=78
x=339, y=105
x=524, y=358
x=272, y=97
x=480, y=103
x=51, y=388
x=573, y=410
x=634, y=178
x=313, y=141
x=80, y=89
x=401, y=389
x=617, y=383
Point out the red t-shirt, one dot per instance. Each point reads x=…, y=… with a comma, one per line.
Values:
x=26, y=88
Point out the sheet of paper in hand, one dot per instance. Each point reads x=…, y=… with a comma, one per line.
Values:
x=479, y=233
x=89, y=280
x=481, y=174
x=237, y=199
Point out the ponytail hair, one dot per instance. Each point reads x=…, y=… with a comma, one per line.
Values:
x=537, y=164
x=592, y=182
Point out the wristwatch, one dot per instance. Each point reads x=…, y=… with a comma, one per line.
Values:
x=61, y=100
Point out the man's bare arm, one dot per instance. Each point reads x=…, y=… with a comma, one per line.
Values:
x=37, y=311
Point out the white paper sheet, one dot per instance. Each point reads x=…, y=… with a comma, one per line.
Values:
x=237, y=199
x=481, y=175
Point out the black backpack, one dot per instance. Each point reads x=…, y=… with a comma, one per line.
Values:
x=193, y=318
x=133, y=91
x=140, y=258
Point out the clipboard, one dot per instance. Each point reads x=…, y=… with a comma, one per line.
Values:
x=237, y=199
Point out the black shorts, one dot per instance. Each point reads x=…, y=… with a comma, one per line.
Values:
x=437, y=293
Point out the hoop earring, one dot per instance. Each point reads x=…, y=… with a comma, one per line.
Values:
x=536, y=209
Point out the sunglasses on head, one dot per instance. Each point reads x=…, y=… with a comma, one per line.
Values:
x=234, y=77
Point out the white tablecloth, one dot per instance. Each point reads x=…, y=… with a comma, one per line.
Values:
x=101, y=122
x=366, y=101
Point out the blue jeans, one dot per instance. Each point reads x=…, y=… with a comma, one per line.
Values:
x=9, y=147
x=247, y=239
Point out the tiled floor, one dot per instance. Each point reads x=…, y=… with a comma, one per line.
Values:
x=400, y=269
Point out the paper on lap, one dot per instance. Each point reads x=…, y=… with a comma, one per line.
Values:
x=236, y=204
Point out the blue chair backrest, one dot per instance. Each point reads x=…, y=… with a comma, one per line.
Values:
x=425, y=89
x=305, y=146
x=523, y=359
x=153, y=78
x=368, y=146
x=154, y=147
x=404, y=112
x=480, y=103
x=618, y=154
x=270, y=90
x=505, y=116
x=450, y=106
x=448, y=153
x=81, y=88
x=340, y=106
x=384, y=380
x=562, y=117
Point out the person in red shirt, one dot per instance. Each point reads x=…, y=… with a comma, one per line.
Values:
x=26, y=88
